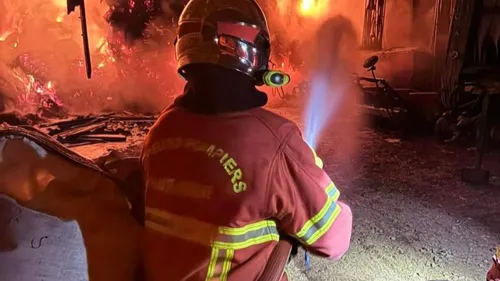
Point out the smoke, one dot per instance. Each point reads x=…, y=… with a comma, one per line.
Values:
x=294, y=26
x=333, y=101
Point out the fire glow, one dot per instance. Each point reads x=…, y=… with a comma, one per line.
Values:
x=310, y=9
x=313, y=8
x=41, y=45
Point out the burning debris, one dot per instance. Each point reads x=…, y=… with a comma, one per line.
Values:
x=42, y=67
x=111, y=127
x=84, y=130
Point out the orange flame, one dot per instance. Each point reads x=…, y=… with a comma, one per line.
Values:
x=4, y=35
x=313, y=8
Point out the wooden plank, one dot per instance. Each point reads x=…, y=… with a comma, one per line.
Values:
x=459, y=35
x=76, y=121
x=81, y=130
x=103, y=138
x=442, y=22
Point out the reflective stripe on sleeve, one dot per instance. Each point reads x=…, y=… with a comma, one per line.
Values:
x=220, y=264
x=181, y=227
x=200, y=232
x=244, y=237
x=318, y=225
x=224, y=241
x=332, y=191
x=317, y=160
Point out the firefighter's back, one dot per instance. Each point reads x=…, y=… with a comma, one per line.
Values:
x=207, y=213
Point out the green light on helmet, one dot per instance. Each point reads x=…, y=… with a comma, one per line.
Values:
x=275, y=78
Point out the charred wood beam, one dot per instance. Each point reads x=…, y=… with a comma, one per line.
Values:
x=442, y=24
x=459, y=35
x=373, y=26
x=71, y=5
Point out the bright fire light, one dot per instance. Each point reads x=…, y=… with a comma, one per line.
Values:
x=313, y=8
x=307, y=6
x=4, y=35
x=41, y=55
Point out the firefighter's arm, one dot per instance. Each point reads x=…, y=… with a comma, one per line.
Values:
x=306, y=200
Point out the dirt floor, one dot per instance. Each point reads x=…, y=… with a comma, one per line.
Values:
x=414, y=219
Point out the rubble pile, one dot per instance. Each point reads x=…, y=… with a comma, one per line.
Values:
x=85, y=129
x=91, y=129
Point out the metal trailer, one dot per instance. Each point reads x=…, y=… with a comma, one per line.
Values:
x=470, y=78
x=464, y=77
x=416, y=98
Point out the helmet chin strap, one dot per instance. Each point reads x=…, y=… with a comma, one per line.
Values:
x=272, y=78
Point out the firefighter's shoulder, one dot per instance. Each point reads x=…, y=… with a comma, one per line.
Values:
x=278, y=125
x=167, y=111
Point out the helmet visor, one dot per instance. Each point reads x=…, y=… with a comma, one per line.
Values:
x=245, y=42
x=240, y=30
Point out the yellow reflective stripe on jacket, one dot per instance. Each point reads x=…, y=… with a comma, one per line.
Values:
x=231, y=239
x=249, y=235
x=332, y=191
x=317, y=160
x=222, y=257
x=181, y=227
x=200, y=232
x=223, y=240
x=318, y=225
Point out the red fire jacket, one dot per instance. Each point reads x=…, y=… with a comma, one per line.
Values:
x=220, y=187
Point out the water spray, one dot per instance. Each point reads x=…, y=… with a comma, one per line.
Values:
x=328, y=83
x=329, y=79
x=324, y=100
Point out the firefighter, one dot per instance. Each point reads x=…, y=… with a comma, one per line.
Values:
x=223, y=175
x=494, y=272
